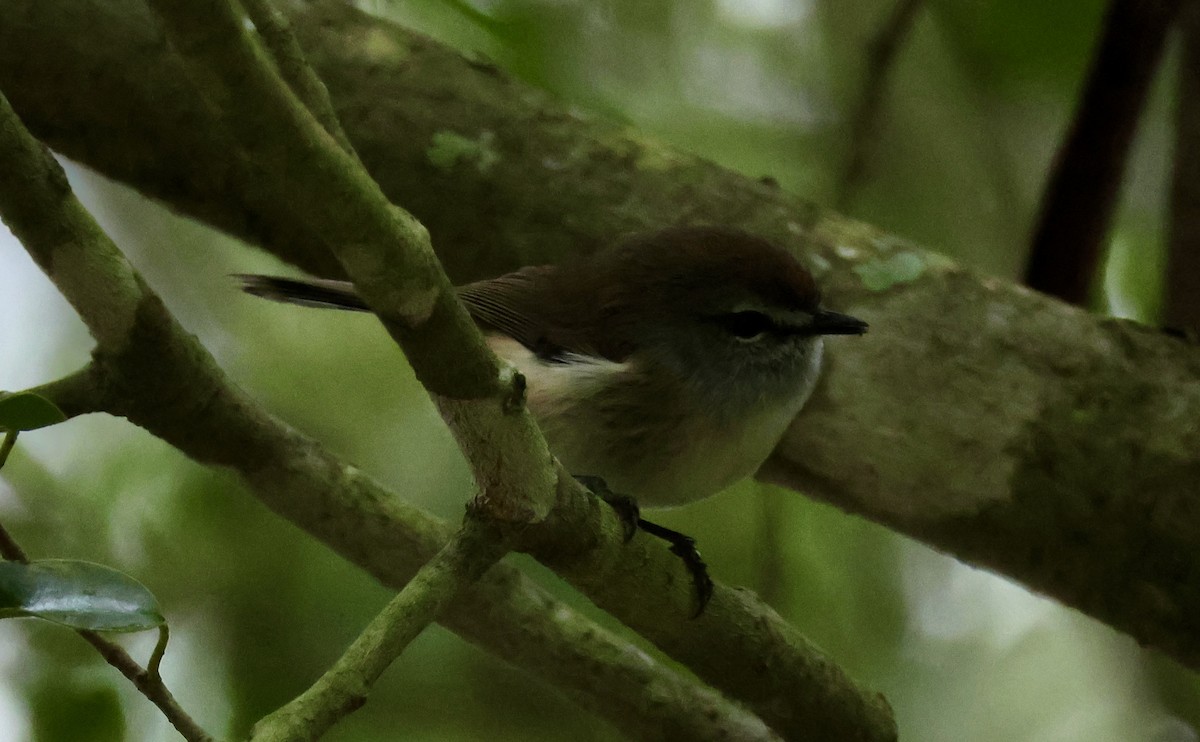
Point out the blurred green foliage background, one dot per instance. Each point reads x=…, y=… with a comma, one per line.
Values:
x=975, y=105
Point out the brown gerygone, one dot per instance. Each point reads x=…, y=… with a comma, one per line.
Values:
x=668, y=365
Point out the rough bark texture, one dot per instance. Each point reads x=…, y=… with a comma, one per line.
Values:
x=994, y=423
x=147, y=369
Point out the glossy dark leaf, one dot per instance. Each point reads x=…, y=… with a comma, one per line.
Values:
x=27, y=411
x=78, y=594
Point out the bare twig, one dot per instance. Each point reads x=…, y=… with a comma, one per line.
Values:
x=160, y=649
x=344, y=687
x=1085, y=180
x=9, y=548
x=6, y=446
x=149, y=684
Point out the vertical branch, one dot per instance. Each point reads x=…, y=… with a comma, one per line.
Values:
x=1182, y=305
x=1081, y=194
x=881, y=58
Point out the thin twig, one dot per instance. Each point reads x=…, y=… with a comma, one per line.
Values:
x=1081, y=194
x=160, y=649
x=881, y=58
x=9, y=548
x=10, y=440
x=344, y=688
x=276, y=32
x=150, y=685
x=148, y=682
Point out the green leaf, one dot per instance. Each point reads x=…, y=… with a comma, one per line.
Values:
x=81, y=595
x=27, y=411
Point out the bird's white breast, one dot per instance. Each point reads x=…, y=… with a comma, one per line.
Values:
x=662, y=452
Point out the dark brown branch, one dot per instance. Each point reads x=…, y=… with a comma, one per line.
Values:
x=1182, y=305
x=1081, y=194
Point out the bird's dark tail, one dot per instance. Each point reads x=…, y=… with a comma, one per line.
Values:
x=305, y=292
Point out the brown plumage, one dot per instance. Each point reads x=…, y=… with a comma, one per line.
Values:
x=595, y=306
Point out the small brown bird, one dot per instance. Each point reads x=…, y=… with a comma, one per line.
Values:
x=668, y=365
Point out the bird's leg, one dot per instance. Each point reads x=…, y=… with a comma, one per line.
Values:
x=682, y=546
x=626, y=507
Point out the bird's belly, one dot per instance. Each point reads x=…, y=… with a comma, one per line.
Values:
x=600, y=419
x=704, y=459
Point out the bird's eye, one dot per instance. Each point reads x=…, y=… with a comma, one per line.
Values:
x=748, y=325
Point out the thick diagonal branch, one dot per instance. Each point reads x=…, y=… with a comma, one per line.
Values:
x=1050, y=445
x=155, y=374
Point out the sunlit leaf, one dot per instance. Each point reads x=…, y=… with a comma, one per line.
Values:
x=27, y=411
x=78, y=594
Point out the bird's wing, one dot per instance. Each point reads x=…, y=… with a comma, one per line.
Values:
x=513, y=305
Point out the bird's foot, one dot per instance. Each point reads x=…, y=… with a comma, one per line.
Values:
x=626, y=507
x=682, y=546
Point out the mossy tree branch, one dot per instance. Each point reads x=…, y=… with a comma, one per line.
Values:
x=151, y=372
x=417, y=305
x=344, y=688
x=276, y=32
x=381, y=247
x=1041, y=437
x=994, y=460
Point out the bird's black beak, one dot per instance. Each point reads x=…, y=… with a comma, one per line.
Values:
x=825, y=322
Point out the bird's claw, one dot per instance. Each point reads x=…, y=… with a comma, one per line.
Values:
x=625, y=506
x=682, y=546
